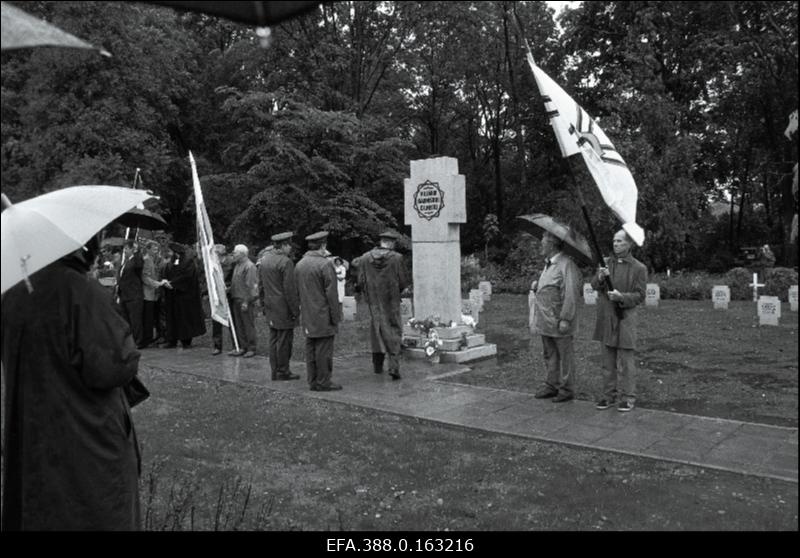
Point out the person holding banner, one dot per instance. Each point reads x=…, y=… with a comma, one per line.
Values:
x=227, y=270
x=618, y=336
x=281, y=303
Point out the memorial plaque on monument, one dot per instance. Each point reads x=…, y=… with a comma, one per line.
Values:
x=769, y=310
x=476, y=298
x=652, y=294
x=349, y=308
x=721, y=296
x=589, y=294
x=793, y=298
x=485, y=287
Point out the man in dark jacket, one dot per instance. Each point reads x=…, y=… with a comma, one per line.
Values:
x=618, y=336
x=281, y=303
x=319, y=311
x=382, y=279
x=184, y=308
x=70, y=457
x=130, y=290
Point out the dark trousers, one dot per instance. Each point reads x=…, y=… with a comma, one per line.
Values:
x=149, y=317
x=559, y=359
x=245, y=323
x=132, y=312
x=280, y=351
x=319, y=361
x=377, y=362
x=161, y=319
x=216, y=334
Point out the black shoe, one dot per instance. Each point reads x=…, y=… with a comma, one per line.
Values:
x=287, y=377
x=545, y=393
x=168, y=345
x=562, y=397
x=395, y=374
x=604, y=404
x=215, y=352
x=330, y=387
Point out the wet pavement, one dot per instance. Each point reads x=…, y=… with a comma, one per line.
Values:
x=729, y=445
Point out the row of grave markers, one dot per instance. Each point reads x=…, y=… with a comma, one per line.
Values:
x=769, y=307
x=472, y=306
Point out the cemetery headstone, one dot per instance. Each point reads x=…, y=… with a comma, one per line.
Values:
x=721, y=296
x=793, y=298
x=486, y=288
x=652, y=294
x=406, y=310
x=476, y=298
x=470, y=309
x=769, y=310
x=589, y=294
x=349, y=308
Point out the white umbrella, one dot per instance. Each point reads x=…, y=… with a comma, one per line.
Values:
x=39, y=231
x=22, y=30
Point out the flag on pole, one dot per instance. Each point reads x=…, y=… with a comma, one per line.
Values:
x=215, y=280
x=577, y=132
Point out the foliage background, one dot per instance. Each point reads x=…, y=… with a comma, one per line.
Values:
x=317, y=130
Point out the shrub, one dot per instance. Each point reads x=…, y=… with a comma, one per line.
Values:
x=778, y=280
x=739, y=279
x=471, y=273
x=684, y=286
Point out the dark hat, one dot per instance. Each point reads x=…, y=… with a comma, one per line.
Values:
x=317, y=236
x=390, y=234
x=280, y=237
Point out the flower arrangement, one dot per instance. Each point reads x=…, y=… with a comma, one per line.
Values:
x=427, y=327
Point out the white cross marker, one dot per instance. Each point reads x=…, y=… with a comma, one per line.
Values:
x=755, y=284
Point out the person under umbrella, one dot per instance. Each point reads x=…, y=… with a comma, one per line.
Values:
x=71, y=459
x=130, y=292
x=184, y=309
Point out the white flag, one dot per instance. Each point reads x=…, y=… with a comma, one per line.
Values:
x=576, y=132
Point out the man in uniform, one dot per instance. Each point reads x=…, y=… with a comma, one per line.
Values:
x=618, y=336
x=382, y=279
x=281, y=303
x=319, y=310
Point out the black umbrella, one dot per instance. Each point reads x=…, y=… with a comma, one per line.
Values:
x=142, y=219
x=259, y=14
x=575, y=245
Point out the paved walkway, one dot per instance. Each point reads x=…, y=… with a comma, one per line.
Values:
x=729, y=445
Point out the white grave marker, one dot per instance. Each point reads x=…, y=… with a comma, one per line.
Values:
x=349, y=308
x=721, y=296
x=476, y=298
x=755, y=284
x=652, y=294
x=589, y=294
x=468, y=308
x=486, y=288
x=793, y=298
x=769, y=310
x=406, y=310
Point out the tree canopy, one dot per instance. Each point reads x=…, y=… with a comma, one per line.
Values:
x=317, y=130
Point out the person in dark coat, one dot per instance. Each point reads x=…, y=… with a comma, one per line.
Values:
x=618, y=337
x=243, y=296
x=319, y=311
x=281, y=303
x=382, y=279
x=130, y=292
x=70, y=457
x=184, y=308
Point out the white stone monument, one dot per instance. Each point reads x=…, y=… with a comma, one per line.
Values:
x=349, y=308
x=652, y=294
x=793, y=298
x=435, y=207
x=769, y=310
x=589, y=294
x=485, y=287
x=721, y=296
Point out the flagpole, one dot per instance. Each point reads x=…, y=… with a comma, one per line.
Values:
x=599, y=259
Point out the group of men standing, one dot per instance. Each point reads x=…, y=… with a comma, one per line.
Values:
x=308, y=295
x=554, y=312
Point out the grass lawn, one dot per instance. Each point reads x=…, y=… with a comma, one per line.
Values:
x=229, y=456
